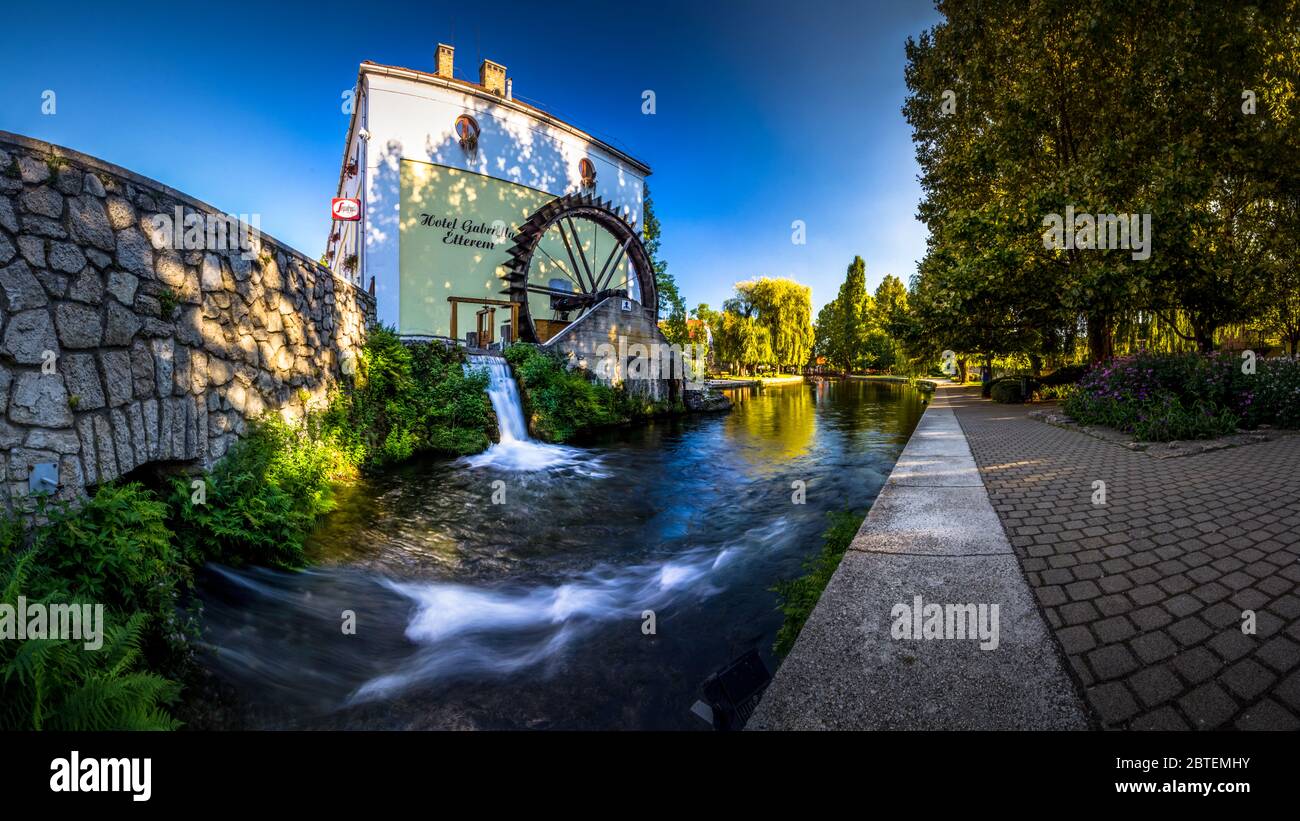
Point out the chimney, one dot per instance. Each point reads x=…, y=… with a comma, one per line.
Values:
x=492, y=76
x=446, y=55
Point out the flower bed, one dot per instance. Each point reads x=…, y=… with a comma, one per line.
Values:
x=1163, y=397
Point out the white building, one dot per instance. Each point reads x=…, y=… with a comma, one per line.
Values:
x=447, y=172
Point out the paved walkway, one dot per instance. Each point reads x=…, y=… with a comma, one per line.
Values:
x=1146, y=594
x=933, y=533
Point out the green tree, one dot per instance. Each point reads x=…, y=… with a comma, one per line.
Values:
x=890, y=305
x=1021, y=109
x=845, y=323
x=1279, y=306
x=672, y=308
x=742, y=342
x=784, y=308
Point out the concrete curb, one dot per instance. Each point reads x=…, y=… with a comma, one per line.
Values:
x=933, y=533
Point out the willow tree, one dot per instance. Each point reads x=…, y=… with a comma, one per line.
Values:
x=784, y=308
x=741, y=342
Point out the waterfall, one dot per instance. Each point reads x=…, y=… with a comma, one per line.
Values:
x=517, y=451
x=505, y=397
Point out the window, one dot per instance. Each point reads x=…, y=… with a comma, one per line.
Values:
x=467, y=131
x=587, y=171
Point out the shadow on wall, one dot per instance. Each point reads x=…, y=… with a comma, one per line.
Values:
x=120, y=347
x=513, y=152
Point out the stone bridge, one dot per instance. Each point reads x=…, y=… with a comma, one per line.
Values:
x=124, y=343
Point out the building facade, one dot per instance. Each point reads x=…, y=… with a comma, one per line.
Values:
x=452, y=178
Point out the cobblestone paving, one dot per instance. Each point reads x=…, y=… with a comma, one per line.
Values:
x=1146, y=594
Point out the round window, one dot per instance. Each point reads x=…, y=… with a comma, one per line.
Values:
x=467, y=132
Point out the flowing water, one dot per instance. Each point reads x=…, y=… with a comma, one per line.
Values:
x=512, y=589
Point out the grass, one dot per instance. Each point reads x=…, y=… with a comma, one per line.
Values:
x=797, y=597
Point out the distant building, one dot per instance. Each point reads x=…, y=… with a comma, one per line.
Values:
x=484, y=218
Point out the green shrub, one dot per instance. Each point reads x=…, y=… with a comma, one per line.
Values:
x=1273, y=397
x=1007, y=391
x=263, y=498
x=564, y=403
x=1057, y=392
x=797, y=597
x=60, y=685
x=1162, y=397
x=409, y=399
x=986, y=388
x=1167, y=418
x=115, y=549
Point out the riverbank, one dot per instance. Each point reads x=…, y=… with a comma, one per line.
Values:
x=931, y=533
x=925, y=384
x=723, y=382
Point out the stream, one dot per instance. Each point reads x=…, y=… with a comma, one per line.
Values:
x=512, y=589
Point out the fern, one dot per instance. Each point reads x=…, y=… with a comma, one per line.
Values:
x=48, y=684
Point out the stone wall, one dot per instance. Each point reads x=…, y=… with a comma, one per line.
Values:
x=118, y=350
x=610, y=340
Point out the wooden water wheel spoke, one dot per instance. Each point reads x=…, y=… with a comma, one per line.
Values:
x=555, y=301
x=562, y=269
x=576, y=270
x=577, y=240
x=605, y=278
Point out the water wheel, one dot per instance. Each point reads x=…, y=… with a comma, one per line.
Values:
x=570, y=255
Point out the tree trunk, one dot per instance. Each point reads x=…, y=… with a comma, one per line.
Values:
x=1204, y=335
x=1036, y=364
x=1101, y=337
x=961, y=370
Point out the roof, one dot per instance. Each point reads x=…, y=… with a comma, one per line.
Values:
x=477, y=90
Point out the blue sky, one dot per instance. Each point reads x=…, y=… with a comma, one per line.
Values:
x=767, y=112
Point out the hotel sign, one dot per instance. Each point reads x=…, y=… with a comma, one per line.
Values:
x=456, y=229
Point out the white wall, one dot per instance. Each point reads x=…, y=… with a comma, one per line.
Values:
x=409, y=119
x=349, y=232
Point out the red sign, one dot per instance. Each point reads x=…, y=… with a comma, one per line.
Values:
x=345, y=209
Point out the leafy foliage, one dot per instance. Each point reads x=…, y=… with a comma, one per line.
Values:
x=408, y=399
x=777, y=314
x=262, y=499
x=1161, y=397
x=1020, y=109
x=1007, y=391
x=563, y=403
x=115, y=549
x=59, y=684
